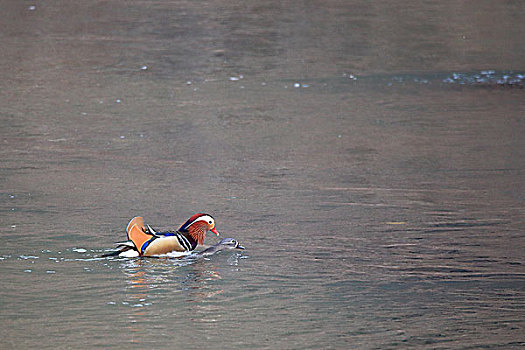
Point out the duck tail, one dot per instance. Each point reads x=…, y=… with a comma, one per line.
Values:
x=121, y=248
x=115, y=253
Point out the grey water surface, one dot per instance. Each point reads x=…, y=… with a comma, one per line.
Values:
x=369, y=156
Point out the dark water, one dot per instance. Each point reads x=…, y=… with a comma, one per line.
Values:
x=370, y=156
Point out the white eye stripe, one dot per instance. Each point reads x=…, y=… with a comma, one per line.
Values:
x=206, y=218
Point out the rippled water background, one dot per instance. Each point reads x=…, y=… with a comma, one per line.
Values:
x=370, y=156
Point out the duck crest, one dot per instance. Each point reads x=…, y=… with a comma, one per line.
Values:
x=184, y=227
x=195, y=229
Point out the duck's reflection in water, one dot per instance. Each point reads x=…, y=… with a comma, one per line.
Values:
x=152, y=280
x=173, y=287
x=157, y=288
x=198, y=282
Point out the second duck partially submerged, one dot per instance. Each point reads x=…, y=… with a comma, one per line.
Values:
x=225, y=243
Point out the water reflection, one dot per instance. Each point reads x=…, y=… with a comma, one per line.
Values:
x=190, y=289
x=148, y=279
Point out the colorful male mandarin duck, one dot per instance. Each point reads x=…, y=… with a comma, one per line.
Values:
x=145, y=241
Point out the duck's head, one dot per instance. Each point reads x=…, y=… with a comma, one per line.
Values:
x=230, y=243
x=198, y=225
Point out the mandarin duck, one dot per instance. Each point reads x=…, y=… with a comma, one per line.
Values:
x=145, y=241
